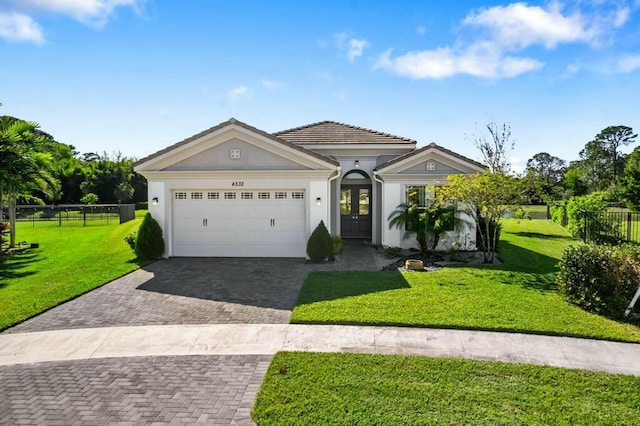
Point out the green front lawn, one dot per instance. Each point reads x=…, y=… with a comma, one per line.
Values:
x=348, y=389
x=70, y=261
x=518, y=295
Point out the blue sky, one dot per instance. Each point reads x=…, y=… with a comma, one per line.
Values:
x=138, y=75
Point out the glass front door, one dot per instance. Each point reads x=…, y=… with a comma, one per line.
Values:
x=355, y=211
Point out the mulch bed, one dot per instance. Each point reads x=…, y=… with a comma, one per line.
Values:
x=429, y=262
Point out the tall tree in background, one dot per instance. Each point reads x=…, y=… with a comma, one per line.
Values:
x=574, y=181
x=630, y=181
x=601, y=159
x=494, y=147
x=545, y=172
x=24, y=169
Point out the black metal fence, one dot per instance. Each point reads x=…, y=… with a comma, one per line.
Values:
x=75, y=214
x=610, y=227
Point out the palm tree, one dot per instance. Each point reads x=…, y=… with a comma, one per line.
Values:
x=23, y=170
x=428, y=223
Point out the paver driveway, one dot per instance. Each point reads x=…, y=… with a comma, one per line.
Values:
x=185, y=291
x=162, y=390
x=131, y=391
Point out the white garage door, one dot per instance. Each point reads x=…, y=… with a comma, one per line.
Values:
x=237, y=223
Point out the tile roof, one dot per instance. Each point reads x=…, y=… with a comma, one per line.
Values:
x=432, y=145
x=246, y=126
x=333, y=132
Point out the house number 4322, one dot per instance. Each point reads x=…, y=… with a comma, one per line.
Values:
x=237, y=184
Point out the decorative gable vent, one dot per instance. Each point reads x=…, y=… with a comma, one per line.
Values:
x=234, y=154
x=431, y=165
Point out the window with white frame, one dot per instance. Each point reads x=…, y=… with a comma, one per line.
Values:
x=196, y=195
x=424, y=196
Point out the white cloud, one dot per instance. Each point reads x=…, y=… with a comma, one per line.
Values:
x=519, y=25
x=479, y=60
x=498, y=36
x=95, y=13
x=421, y=30
x=621, y=16
x=271, y=84
x=19, y=27
x=356, y=48
x=353, y=46
x=627, y=64
x=237, y=93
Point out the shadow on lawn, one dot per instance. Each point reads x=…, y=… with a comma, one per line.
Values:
x=541, y=236
x=325, y=286
x=13, y=266
x=523, y=267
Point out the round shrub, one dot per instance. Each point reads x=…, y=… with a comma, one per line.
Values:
x=149, y=242
x=600, y=279
x=320, y=244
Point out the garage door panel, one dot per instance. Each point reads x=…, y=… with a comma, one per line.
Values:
x=239, y=227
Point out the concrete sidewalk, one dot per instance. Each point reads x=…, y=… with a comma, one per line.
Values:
x=266, y=339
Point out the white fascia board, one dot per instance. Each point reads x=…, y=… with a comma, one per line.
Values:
x=450, y=160
x=413, y=178
x=237, y=174
x=222, y=135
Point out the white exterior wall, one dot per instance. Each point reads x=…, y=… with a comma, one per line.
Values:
x=316, y=213
x=394, y=194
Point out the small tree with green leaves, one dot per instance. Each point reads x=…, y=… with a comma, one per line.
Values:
x=320, y=244
x=90, y=199
x=486, y=197
x=149, y=242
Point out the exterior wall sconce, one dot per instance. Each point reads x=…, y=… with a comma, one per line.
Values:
x=318, y=201
x=357, y=163
x=154, y=201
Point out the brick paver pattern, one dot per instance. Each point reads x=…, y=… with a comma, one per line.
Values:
x=132, y=391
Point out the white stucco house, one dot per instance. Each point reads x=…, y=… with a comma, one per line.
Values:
x=236, y=191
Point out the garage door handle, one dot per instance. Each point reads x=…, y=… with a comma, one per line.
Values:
x=205, y=222
x=273, y=222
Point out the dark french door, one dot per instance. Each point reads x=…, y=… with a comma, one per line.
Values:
x=355, y=211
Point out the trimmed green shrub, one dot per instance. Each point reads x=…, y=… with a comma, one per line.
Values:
x=558, y=213
x=600, y=279
x=130, y=239
x=320, y=244
x=149, y=242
